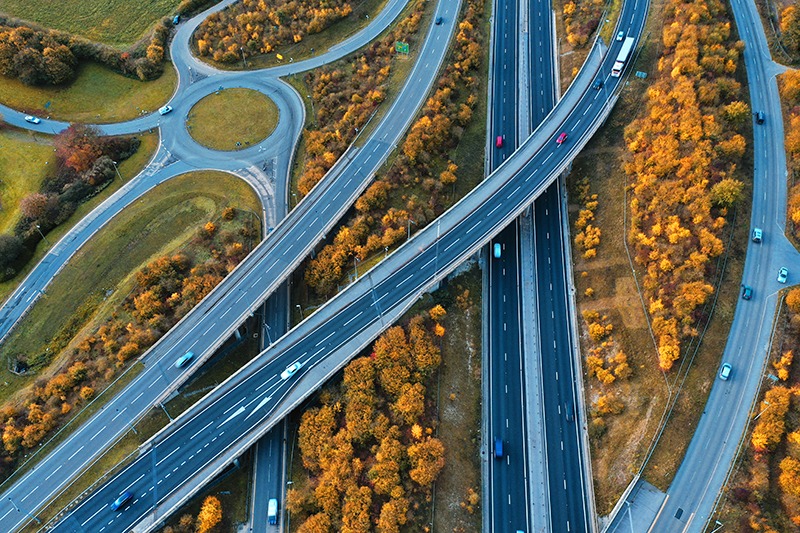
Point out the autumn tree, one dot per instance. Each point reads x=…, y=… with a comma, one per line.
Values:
x=427, y=460
x=210, y=514
x=771, y=426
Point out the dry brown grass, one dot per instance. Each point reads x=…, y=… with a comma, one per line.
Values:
x=621, y=450
x=460, y=409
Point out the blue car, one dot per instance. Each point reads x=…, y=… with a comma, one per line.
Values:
x=184, y=360
x=122, y=500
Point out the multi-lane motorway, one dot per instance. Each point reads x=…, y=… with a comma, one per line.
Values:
x=442, y=245
x=353, y=318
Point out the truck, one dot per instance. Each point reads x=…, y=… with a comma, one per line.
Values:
x=272, y=511
x=622, y=57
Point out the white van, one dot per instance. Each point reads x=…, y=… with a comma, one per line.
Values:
x=272, y=511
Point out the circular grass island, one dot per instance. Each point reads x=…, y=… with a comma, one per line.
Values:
x=232, y=119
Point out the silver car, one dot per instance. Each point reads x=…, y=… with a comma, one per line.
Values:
x=783, y=273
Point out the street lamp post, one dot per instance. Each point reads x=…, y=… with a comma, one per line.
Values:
x=269, y=337
x=301, y=311
x=355, y=262
x=763, y=410
x=39, y=229
x=409, y=228
x=116, y=169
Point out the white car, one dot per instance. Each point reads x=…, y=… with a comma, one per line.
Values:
x=725, y=372
x=620, y=35
x=164, y=110
x=32, y=119
x=783, y=273
x=291, y=370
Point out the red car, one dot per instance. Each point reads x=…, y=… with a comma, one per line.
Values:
x=499, y=141
x=561, y=138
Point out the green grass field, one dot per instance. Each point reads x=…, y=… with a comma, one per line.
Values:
x=249, y=118
x=22, y=164
x=114, y=22
x=101, y=273
x=98, y=95
x=27, y=183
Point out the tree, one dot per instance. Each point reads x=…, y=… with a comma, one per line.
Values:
x=728, y=191
x=771, y=426
x=10, y=250
x=411, y=403
x=437, y=313
x=427, y=460
x=78, y=146
x=210, y=514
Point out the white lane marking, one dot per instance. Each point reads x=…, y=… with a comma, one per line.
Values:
x=234, y=415
x=208, y=425
x=232, y=406
x=167, y=456
x=154, y=381
x=47, y=478
x=96, y=434
x=119, y=414
x=74, y=454
x=358, y=315
x=408, y=278
x=95, y=514
x=331, y=334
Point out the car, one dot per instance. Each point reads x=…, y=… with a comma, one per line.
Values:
x=498, y=250
x=747, y=292
x=783, y=273
x=760, y=118
x=620, y=35
x=291, y=370
x=569, y=411
x=439, y=21
x=561, y=138
x=499, y=141
x=757, y=234
x=124, y=498
x=32, y=119
x=184, y=360
x=164, y=110
x=725, y=372
x=498, y=448
x=598, y=84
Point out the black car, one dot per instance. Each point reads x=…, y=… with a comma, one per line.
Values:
x=439, y=21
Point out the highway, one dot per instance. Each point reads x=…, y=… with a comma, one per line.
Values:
x=238, y=412
x=215, y=319
x=691, y=499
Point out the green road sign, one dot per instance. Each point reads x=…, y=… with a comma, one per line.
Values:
x=401, y=47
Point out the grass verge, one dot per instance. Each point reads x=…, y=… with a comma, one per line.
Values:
x=249, y=118
x=101, y=272
x=115, y=22
x=127, y=170
x=23, y=160
x=97, y=95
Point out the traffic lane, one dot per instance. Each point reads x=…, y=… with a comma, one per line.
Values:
x=504, y=118
x=564, y=459
x=509, y=494
x=542, y=99
x=549, y=354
